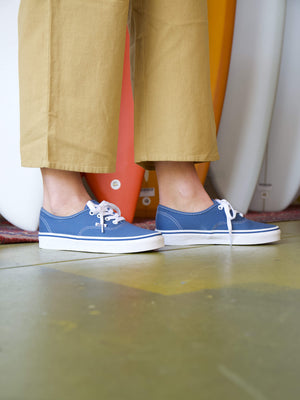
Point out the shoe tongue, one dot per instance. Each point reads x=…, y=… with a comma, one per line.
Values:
x=95, y=202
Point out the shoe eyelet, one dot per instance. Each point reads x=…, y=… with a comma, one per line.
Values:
x=106, y=219
x=91, y=213
x=115, y=222
x=220, y=208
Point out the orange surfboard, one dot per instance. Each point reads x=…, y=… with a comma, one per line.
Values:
x=123, y=186
x=221, y=15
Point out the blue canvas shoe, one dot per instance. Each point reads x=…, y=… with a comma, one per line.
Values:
x=219, y=224
x=98, y=228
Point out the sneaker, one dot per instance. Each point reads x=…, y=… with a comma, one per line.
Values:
x=98, y=228
x=219, y=224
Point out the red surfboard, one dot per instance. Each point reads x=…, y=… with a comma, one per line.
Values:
x=123, y=186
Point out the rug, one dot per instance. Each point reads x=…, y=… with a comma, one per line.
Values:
x=11, y=234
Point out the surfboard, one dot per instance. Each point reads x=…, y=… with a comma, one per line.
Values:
x=20, y=188
x=221, y=15
x=123, y=186
x=279, y=179
x=148, y=197
x=249, y=99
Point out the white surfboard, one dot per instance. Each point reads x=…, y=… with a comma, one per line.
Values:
x=279, y=180
x=20, y=188
x=250, y=94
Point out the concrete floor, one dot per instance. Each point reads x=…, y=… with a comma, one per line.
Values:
x=207, y=322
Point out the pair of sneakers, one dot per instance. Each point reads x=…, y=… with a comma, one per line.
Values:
x=100, y=228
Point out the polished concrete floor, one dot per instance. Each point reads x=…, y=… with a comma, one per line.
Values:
x=207, y=322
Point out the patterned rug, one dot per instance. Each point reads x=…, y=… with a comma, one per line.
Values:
x=12, y=234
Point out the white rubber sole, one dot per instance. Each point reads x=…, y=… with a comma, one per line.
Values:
x=237, y=238
x=94, y=245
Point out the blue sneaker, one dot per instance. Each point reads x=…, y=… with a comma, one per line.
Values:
x=98, y=228
x=219, y=224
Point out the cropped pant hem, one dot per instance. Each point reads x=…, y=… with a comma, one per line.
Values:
x=70, y=167
x=150, y=165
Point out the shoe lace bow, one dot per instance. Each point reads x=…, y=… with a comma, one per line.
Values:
x=105, y=211
x=230, y=213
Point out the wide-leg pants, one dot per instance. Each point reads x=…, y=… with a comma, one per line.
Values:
x=71, y=55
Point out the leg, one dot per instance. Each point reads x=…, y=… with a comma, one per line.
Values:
x=174, y=118
x=174, y=124
x=70, y=68
x=71, y=64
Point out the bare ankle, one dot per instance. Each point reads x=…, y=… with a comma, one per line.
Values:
x=63, y=207
x=180, y=187
x=64, y=192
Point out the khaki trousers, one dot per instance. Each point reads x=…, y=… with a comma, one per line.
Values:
x=71, y=55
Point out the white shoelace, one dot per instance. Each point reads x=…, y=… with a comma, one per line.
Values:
x=105, y=211
x=230, y=215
